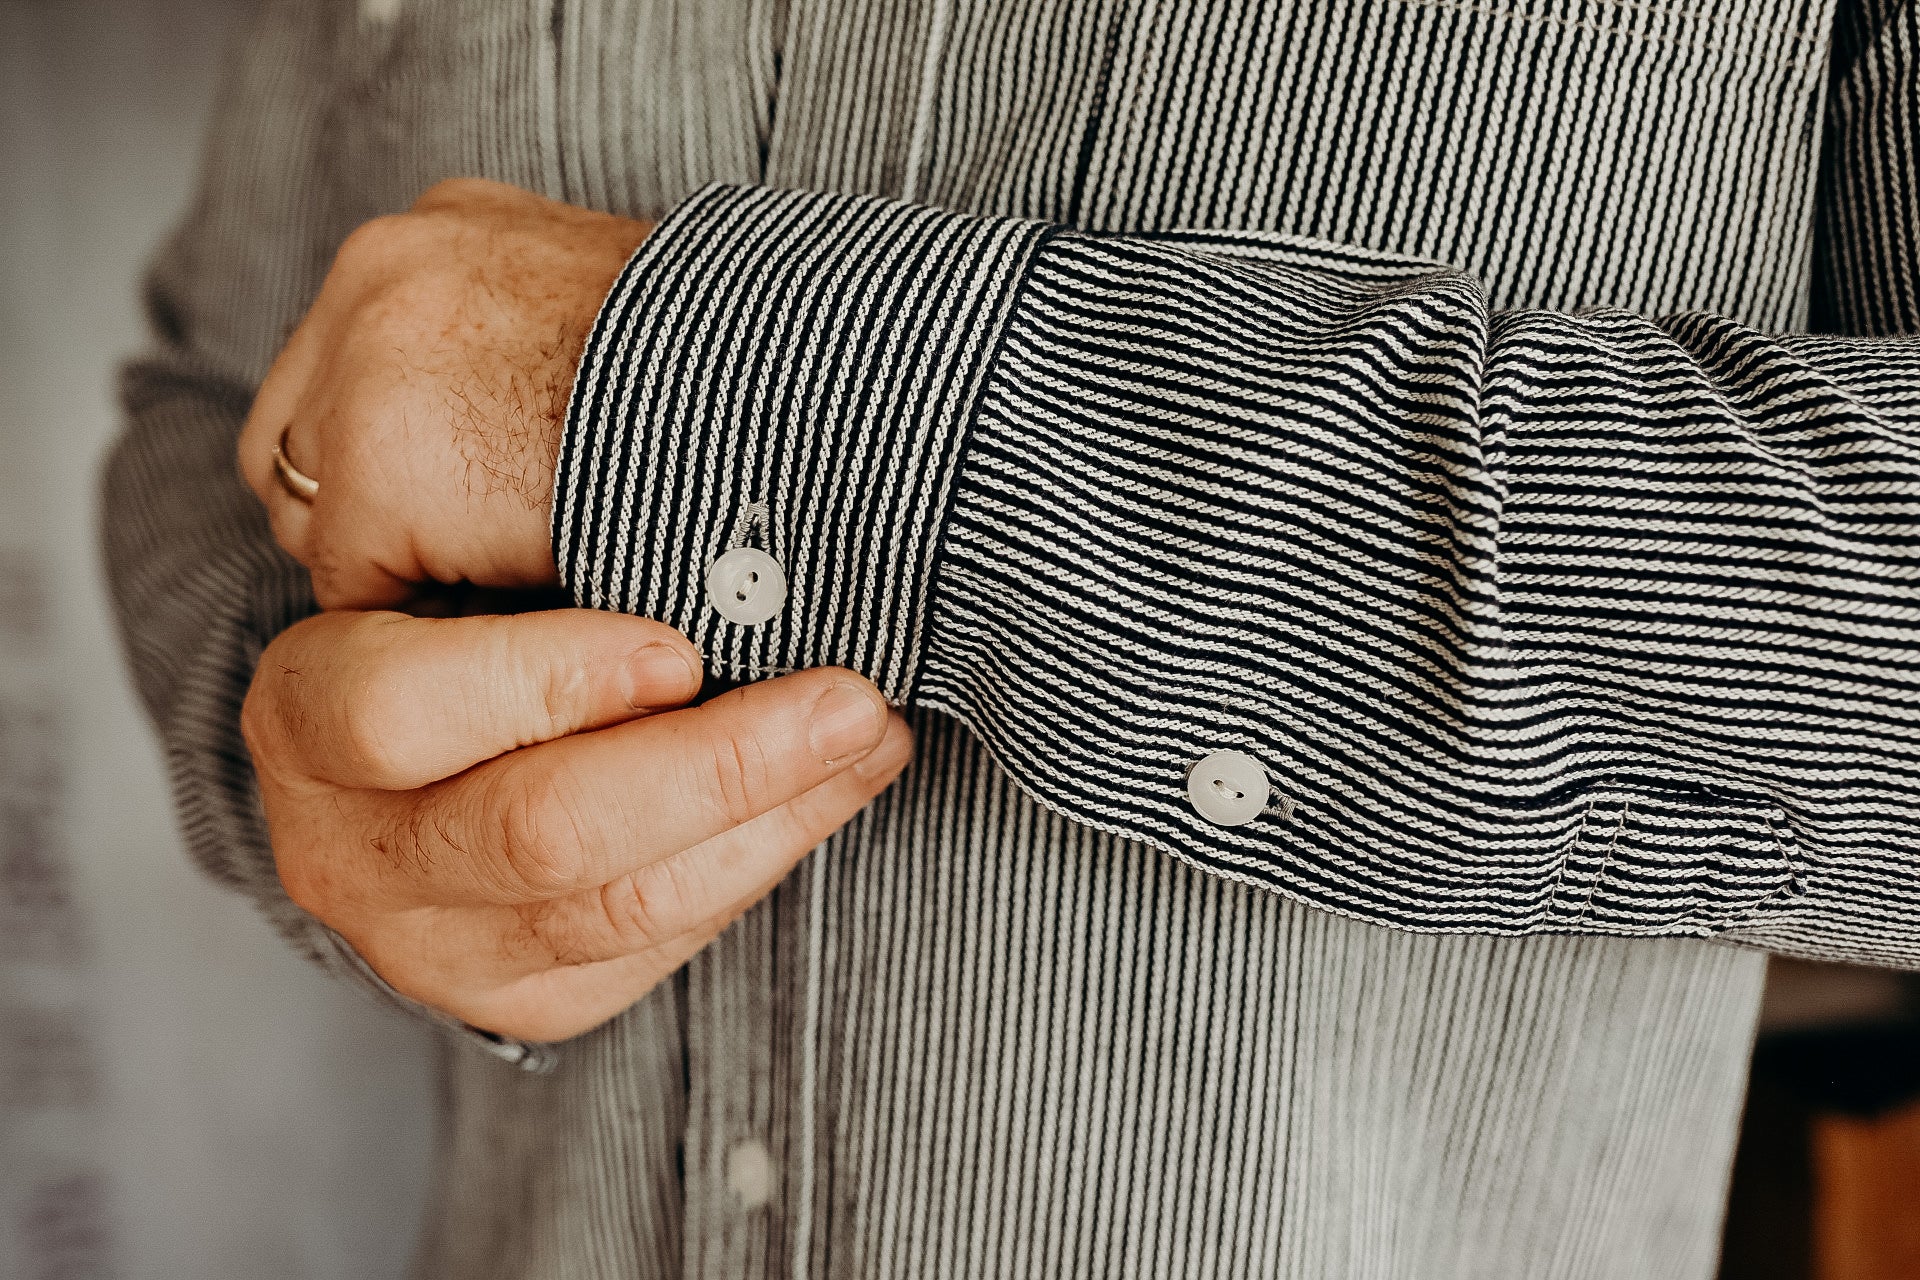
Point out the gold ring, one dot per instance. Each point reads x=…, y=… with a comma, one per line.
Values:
x=292, y=479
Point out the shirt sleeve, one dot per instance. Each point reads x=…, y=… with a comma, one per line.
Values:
x=1867, y=242
x=1506, y=622
x=199, y=586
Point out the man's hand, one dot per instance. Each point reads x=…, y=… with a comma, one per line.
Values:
x=425, y=391
x=511, y=821
x=514, y=819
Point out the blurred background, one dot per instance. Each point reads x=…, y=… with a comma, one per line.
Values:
x=181, y=1098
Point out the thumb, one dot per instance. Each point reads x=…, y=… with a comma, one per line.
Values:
x=394, y=702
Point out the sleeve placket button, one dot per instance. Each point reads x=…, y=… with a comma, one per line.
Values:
x=746, y=586
x=1229, y=788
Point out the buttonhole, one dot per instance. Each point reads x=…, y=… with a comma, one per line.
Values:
x=1232, y=793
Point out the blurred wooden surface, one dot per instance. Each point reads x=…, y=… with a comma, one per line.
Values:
x=1866, y=1188
x=1826, y=1181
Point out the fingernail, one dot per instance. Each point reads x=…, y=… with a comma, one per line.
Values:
x=659, y=674
x=846, y=719
x=884, y=759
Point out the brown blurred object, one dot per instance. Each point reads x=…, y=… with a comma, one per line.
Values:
x=1769, y=1231
x=1866, y=1210
x=1826, y=1181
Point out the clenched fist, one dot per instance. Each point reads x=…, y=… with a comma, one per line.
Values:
x=519, y=820
x=425, y=391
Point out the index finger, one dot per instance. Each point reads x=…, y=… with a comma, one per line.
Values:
x=388, y=701
x=579, y=811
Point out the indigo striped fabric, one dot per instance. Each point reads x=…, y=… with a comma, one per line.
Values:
x=1495, y=419
x=1539, y=622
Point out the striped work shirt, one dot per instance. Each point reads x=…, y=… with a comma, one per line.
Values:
x=1387, y=581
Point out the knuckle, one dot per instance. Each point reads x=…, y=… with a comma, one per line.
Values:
x=273, y=724
x=375, y=728
x=391, y=308
x=258, y=727
x=323, y=570
x=563, y=690
x=373, y=241
x=387, y=272
x=740, y=777
x=540, y=835
x=553, y=688
x=451, y=192
x=313, y=879
x=638, y=912
x=306, y=881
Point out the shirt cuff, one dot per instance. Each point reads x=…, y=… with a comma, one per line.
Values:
x=789, y=377
x=338, y=957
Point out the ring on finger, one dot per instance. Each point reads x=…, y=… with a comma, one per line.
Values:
x=295, y=481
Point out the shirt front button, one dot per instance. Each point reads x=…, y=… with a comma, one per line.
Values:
x=746, y=586
x=1229, y=788
x=750, y=1173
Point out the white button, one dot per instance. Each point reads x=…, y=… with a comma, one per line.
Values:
x=746, y=586
x=1229, y=788
x=750, y=1173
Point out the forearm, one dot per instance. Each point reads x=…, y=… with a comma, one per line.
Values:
x=1533, y=622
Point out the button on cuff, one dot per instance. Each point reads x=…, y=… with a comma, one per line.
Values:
x=746, y=586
